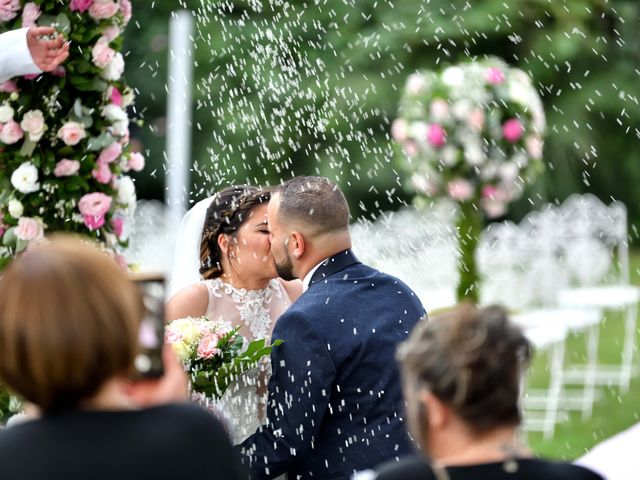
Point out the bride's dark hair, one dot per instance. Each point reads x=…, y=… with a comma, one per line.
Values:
x=228, y=211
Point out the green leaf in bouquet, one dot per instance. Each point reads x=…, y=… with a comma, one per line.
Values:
x=9, y=238
x=21, y=244
x=28, y=146
x=100, y=142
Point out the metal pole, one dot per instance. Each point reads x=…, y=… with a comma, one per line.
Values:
x=179, y=114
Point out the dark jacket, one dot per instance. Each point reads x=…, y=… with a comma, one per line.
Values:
x=335, y=400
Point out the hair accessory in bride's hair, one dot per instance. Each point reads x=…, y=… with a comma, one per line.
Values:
x=226, y=214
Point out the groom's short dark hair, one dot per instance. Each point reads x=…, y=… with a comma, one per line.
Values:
x=314, y=201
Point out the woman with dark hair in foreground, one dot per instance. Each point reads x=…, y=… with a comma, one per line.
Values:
x=462, y=375
x=69, y=325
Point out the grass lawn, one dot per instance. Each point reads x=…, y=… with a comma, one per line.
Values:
x=613, y=411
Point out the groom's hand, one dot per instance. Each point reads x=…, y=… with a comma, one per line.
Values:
x=46, y=54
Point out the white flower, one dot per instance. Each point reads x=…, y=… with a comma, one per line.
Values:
x=418, y=130
x=453, y=77
x=415, y=83
x=33, y=124
x=119, y=128
x=127, y=194
x=114, y=113
x=449, y=155
x=128, y=97
x=25, y=178
x=113, y=71
x=6, y=113
x=15, y=208
x=473, y=153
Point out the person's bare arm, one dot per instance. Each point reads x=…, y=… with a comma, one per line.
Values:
x=188, y=302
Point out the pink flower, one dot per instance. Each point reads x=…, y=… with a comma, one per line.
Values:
x=117, y=223
x=115, y=96
x=29, y=229
x=11, y=132
x=80, y=5
x=33, y=125
x=410, y=148
x=66, y=168
x=101, y=53
x=30, y=14
x=110, y=153
x=494, y=201
x=103, y=9
x=125, y=8
x=460, y=189
x=110, y=32
x=439, y=109
x=136, y=161
x=494, y=75
x=8, y=87
x=173, y=334
x=512, y=130
x=436, y=135
x=9, y=9
x=208, y=346
x=476, y=119
x=94, y=204
x=534, y=145
x=93, y=222
x=31, y=76
x=102, y=173
x=71, y=133
x=399, y=129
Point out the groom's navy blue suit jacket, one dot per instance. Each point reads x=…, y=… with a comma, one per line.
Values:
x=335, y=401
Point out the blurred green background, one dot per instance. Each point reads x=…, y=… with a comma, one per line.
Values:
x=294, y=87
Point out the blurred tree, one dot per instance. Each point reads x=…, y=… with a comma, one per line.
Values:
x=295, y=87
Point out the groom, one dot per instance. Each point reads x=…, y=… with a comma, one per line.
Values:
x=335, y=403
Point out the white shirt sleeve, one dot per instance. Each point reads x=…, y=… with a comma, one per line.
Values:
x=15, y=58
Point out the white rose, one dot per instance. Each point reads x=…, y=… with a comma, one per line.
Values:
x=15, y=208
x=119, y=128
x=415, y=83
x=418, y=130
x=6, y=113
x=453, y=77
x=113, y=71
x=25, y=178
x=127, y=194
x=128, y=97
x=33, y=124
x=114, y=113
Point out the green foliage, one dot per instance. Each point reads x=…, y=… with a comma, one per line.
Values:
x=306, y=87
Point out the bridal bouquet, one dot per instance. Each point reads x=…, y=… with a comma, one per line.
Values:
x=214, y=353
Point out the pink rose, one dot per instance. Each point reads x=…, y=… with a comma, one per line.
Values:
x=436, y=135
x=8, y=87
x=102, y=173
x=31, y=76
x=476, y=119
x=173, y=335
x=494, y=76
x=59, y=72
x=111, y=153
x=410, y=148
x=80, y=5
x=439, y=109
x=94, y=204
x=460, y=189
x=93, y=222
x=30, y=14
x=103, y=9
x=110, y=32
x=399, y=129
x=117, y=223
x=71, y=133
x=534, y=145
x=512, y=130
x=33, y=124
x=494, y=193
x=208, y=346
x=66, y=168
x=101, y=53
x=11, y=132
x=115, y=96
x=125, y=8
x=9, y=9
x=29, y=229
x=136, y=161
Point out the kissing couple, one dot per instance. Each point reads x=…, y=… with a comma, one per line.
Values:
x=278, y=264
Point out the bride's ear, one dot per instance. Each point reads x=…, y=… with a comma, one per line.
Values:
x=297, y=245
x=223, y=243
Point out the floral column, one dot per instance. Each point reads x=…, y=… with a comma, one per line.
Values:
x=471, y=133
x=64, y=136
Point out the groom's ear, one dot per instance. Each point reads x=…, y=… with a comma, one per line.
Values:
x=297, y=245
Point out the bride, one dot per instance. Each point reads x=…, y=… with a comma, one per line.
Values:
x=237, y=283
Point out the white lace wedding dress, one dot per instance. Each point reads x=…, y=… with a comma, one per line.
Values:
x=255, y=312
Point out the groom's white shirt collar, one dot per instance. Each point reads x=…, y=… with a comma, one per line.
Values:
x=307, y=278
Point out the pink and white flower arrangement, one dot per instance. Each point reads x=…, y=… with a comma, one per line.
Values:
x=63, y=168
x=213, y=353
x=470, y=129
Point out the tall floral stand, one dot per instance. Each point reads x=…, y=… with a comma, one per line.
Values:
x=469, y=227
